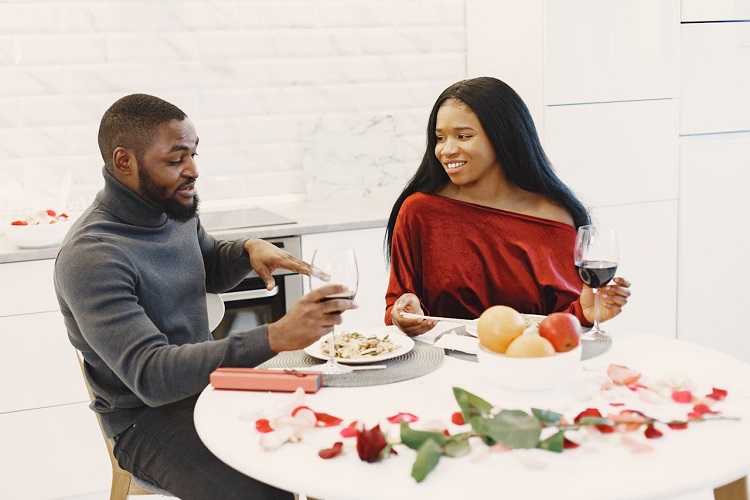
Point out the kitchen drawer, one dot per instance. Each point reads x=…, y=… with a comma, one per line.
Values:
x=714, y=236
x=647, y=237
x=27, y=287
x=715, y=78
x=53, y=453
x=611, y=51
x=615, y=153
x=38, y=366
x=715, y=10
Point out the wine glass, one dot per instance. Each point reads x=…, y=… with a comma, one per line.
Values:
x=596, y=259
x=340, y=263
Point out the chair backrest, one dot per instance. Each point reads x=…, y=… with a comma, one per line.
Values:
x=216, y=310
x=123, y=483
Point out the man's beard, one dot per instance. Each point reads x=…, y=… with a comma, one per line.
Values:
x=159, y=197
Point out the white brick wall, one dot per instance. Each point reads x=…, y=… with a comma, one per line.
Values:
x=249, y=73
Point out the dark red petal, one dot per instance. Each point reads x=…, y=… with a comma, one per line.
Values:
x=717, y=394
x=263, y=425
x=446, y=433
x=350, y=430
x=682, y=396
x=326, y=420
x=331, y=452
x=588, y=412
x=403, y=417
x=678, y=426
x=458, y=418
x=652, y=432
x=568, y=444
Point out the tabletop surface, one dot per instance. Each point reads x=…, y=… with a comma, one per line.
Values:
x=706, y=455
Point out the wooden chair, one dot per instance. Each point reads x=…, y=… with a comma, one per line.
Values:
x=123, y=482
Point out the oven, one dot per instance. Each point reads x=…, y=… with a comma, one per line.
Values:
x=249, y=304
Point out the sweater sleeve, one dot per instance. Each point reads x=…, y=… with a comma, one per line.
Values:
x=132, y=360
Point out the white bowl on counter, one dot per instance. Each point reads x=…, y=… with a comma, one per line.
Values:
x=37, y=235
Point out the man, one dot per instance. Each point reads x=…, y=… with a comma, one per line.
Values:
x=131, y=278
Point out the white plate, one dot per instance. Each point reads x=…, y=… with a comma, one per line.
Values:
x=535, y=318
x=405, y=344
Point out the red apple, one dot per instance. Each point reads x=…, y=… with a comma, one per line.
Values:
x=563, y=330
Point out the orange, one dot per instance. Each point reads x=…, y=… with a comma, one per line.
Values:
x=530, y=346
x=498, y=326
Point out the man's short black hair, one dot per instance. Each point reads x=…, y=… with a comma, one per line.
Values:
x=130, y=123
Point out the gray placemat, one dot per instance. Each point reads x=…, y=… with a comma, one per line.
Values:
x=589, y=348
x=421, y=360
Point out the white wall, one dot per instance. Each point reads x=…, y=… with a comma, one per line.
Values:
x=251, y=74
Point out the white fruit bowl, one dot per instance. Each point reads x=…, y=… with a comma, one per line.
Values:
x=529, y=374
x=38, y=235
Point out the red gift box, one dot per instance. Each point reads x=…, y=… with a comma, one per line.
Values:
x=254, y=379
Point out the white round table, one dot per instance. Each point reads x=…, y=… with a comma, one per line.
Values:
x=706, y=455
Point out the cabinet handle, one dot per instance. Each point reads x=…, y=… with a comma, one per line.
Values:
x=249, y=294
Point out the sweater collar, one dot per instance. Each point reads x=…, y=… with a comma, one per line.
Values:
x=127, y=205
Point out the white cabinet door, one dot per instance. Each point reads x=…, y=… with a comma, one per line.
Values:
x=38, y=366
x=615, y=153
x=373, y=274
x=715, y=78
x=715, y=10
x=53, y=453
x=647, y=236
x=26, y=287
x=715, y=242
x=611, y=51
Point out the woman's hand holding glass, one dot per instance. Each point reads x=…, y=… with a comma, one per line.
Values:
x=611, y=301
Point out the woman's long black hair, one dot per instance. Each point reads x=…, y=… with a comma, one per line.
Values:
x=508, y=124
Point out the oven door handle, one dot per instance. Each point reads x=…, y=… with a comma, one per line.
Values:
x=249, y=294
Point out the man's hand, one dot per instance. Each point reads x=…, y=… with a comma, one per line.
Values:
x=309, y=319
x=266, y=257
x=409, y=302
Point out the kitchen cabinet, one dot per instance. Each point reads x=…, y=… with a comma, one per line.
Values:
x=715, y=10
x=373, y=273
x=616, y=153
x=715, y=77
x=714, y=236
x=52, y=453
x=26, y=287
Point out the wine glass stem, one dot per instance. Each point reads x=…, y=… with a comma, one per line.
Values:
x=596, y=327
x=332, y=349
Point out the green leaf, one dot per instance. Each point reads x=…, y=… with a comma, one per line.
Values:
x=457, y=446
x=473, y=408
x=514, y=428
x=546, y=416
x=428, y=456
x=415, y=439
x=554, y=442
x=595, y=421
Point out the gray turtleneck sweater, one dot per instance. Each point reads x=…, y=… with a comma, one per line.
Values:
x=132, y=286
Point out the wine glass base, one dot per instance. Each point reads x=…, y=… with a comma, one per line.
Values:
x=335, y=368
x=596, y=336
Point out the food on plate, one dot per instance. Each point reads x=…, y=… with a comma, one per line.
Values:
x=530, y=345
x=498, y=326
x=352, y=345
x=563, y=330
x=48, y=216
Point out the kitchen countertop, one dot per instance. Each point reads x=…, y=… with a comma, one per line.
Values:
x=320, y=216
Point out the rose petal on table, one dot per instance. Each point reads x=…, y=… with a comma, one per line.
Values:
x=717, y=394
x=350, y=430
x=458, y=418
x=263, y=425
x=652, y=432
x=331, y=452
x=682, y=396
x=622, y=375
x=403, y=417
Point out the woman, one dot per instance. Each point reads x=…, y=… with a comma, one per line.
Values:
x=485, y=220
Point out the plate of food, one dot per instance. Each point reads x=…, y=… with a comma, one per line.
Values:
x=532, y=321
x=368, y=345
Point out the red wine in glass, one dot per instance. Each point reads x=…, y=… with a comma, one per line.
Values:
x=596, y=273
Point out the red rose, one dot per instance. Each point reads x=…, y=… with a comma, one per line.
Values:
x=371, y=444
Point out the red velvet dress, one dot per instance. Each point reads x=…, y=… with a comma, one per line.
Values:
x=460, y=258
